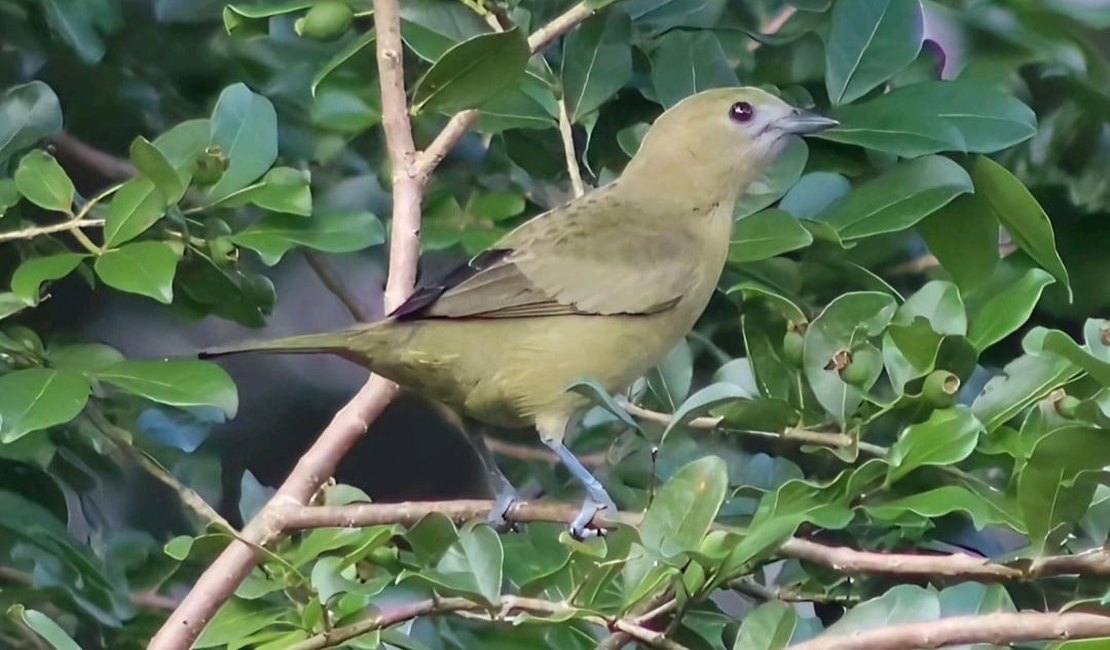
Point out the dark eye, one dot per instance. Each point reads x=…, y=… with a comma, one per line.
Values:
x=741, y=112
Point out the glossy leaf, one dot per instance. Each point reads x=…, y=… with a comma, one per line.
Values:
x=28, y=113
x=685, y=63
x=155, y=167
x=766, y=234
x=769, y=627
x=430, y=27
x=44, y=627
x=898, y=199
x=946, y=438
x=813, y=193
x=703, y=401
x=963, y=236
x=1002, y=305
x=472, y=72
x=244, y=127
x=30, y=275
x=685, y=507
x=145, y=268
x=336, y=232
x=943, y=501
x=42, y=181
x=39, y=398
x=177, y=383
x=901, y=605
x=1022, y=382
x=597, y=62
x=773, y=181
x=868, y=42
x=135, y=207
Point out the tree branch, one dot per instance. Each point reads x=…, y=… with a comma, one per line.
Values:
x=566, y=130
x=334, y=284
x=29, y=233
x=996, y=629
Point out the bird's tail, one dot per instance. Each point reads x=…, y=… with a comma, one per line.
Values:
x=327, y=342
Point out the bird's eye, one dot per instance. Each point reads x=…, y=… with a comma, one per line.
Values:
x=741, y=112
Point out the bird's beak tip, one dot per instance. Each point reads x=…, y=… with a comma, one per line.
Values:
x=805, y=122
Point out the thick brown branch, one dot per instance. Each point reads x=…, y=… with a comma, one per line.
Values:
x=850, y=561
x=996, y=629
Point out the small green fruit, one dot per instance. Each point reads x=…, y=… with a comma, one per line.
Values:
x=325, y=21
x=215, y=227
x=940, y=388
x=863, y=366
x=384, y=556
x=1068, y=406
x=793, y=346
x=211, y=166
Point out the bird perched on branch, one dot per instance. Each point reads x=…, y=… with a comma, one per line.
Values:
x=601, y=288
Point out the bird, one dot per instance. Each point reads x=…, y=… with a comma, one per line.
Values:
x=601, y=287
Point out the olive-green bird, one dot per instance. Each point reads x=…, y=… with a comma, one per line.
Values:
x=602, y=287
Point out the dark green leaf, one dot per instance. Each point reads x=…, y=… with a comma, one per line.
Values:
x=153, y=165
x=531, y=104
x=472, y=72
x=597, y=62
x=1022, y=382
x=75, y=21
x=869, y=41
x=1002, y=305
x=42, y=181
x=813, y=193
x=28, y=113
x=943, y=501
x=336, y=232
x=145, y=268
x=472, y=566
x=766, y=234
x=845, y=323
x=250, y=20
x=935, y=116
x=1021, y=215
x=341, y=58
x=902, y=605
x=946, y=438
x=37, y=399
x=1059, y=343
x=703, y=401
x=431, y=27
x=898, y=199
x=963, y=236
x=687, y=62
x=177, y=383
x=775, y=179
x=244, y=127
x=31, y=274
x=137, y=206
x=598, y=395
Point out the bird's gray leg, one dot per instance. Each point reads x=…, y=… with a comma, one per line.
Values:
x=504, y=494
x=596, y=497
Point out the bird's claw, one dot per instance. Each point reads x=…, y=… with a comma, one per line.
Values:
x=501, y=507
x=583, y=526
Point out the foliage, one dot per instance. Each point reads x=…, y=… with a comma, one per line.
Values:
x=837, y=388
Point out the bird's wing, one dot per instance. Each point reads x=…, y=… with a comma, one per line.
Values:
x=581, y=259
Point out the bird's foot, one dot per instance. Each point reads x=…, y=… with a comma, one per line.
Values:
x=498, y=515
x=583, y=526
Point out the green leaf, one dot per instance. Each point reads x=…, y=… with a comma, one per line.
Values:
x=869, y=41
x=593, y=391
x=688, y=62
x=431, y=27
x=1022, y=382
x=43, y=626
x=901, y=605
x=244, y=127
x=39, y=398
x=769, y=627
x=846, y=322
x=899, y=198
x=28, y=113
x=939, y=303
x=153, y=165
x=183, y=143
x=963, y=236
x=146, y=268
x=1002, y=305
x=237, y=619
x=472, y=72
x=9, y=195
x=766, y=234
x=685, y=507
x=1021, y=215
x=472, y=566
x=935, y=116
x=530, y=104
x=251, y=20
x=943, y=501
x=1059, y=343
x=31, y=274
x=283, y=189
x=349, y=52
x=775, y=179
x=597, y=62
x=333, y=232
x=813, y=193
x=10, y=304
x=76, y=22
x=1056, y=484
x=42, y=181
x=177, y=383
x=946, y=438
x=136, y=206
x=83, y=357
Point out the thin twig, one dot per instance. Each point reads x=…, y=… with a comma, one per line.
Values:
x=334, y=284
x=145, y=600
x=750, y=587
x=29, y=233
x=566, y=130
x=649, y=637
x=995, y=629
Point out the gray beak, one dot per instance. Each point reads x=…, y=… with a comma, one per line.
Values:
x=803, y=122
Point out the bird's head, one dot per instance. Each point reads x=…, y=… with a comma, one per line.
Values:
x=721, y=138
